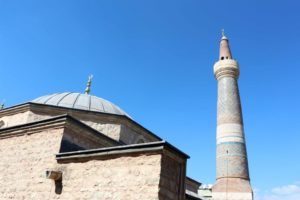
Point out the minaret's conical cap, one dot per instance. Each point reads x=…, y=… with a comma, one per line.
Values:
x=225, y=52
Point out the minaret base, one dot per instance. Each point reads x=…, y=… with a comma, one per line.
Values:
x=232, y=189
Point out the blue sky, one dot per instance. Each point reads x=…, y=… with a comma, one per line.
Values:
x=155, y=60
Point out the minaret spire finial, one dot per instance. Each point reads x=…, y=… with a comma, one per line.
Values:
x=88, y=86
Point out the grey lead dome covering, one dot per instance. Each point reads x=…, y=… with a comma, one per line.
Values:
x=80, y=101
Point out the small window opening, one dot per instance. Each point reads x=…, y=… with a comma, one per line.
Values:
x=226, y=57
x=222, y=58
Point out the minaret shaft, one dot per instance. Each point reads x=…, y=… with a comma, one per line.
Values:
x=229, y=106
x=232, y=174
x=231, y=149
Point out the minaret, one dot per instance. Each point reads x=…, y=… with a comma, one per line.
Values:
x=232, y=181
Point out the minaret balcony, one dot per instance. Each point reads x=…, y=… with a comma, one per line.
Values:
x=228, y=67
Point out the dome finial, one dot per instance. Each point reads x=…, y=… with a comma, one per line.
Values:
x=88, y=86
x=2, y=105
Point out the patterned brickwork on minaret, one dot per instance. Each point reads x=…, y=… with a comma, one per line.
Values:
x=232, y=174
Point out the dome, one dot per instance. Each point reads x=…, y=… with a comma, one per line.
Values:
x=80, y=101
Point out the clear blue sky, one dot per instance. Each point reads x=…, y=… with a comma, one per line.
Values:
x=155, y=60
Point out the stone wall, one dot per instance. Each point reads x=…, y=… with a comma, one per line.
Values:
x=120, y=132
x=73, y=142
x=172, y=182
x=27, y=152
x=115, y=127
x=117, y=132
x=111, y=130
x=117, y=178
x=32, y=117
x=21, y=118
x=16, y=119
x=24, y=160
x=129, y=136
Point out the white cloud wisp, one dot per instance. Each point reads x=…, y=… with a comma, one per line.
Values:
x=288, y=192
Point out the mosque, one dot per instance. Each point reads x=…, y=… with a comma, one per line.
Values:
x=71, y=146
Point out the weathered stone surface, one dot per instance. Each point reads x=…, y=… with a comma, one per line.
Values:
x=172, y=179
x=111, y=130
x=16, y=119
x=116, y=127
x=120, y=178
x=21, y=118
x=27, y=152
x=24, y=160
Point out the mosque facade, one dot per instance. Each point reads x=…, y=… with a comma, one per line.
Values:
x=78, y=146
